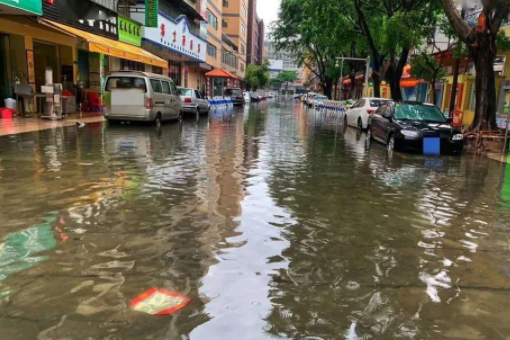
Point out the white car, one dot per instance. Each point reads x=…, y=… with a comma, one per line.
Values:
x=359, y=115
x=193, y=101
x=310, y=97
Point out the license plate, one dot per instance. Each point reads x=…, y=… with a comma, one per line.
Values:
x=431, y=145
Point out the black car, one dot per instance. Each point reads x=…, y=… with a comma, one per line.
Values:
x=236, y=95
x=414, y=127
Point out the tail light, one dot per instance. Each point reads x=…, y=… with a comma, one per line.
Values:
x=187, y=100
x=369, y=111
x=149, y=104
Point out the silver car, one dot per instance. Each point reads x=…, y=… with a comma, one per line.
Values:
x=192, y=101
x=141, y=96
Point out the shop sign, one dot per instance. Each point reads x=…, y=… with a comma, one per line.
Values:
x=175, y=35
x=151, y=13
x=83, y=14
x=130, y=31
x=32, y=6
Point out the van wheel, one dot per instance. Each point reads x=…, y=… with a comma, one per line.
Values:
x=158, y=121
x=360, y=125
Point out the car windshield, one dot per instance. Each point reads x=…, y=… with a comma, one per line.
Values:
x=125, y=83
x=186, y=92
x=321, y=98
x=419, y=112
x=234, y=92
x=377, y=103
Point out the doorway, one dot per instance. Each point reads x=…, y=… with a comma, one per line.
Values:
x=45, y=55
x=5, y=67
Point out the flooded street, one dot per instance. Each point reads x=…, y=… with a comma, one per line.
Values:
x=276, y=222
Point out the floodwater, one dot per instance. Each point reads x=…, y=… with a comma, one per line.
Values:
x=276, y=221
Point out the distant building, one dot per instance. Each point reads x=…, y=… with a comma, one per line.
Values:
x=281, y=61
x=256, y=32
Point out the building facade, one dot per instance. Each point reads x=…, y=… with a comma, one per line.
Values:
x=234, y=24
x=281, y=61
x=256, y=36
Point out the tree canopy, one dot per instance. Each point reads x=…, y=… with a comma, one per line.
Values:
x=257, y=76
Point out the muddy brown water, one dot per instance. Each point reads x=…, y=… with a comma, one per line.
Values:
x=276, y=221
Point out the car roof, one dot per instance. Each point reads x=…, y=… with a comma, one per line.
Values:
x=140, y=73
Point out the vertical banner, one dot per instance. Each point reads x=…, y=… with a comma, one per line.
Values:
x=151, y=13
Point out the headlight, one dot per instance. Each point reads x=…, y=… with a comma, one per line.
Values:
x=412, y=134
x=458, y=137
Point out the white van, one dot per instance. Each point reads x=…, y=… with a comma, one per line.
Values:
x=141, y=96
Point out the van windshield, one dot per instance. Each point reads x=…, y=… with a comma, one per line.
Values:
x=127, y=83
x=233, y=92
x=186, y=92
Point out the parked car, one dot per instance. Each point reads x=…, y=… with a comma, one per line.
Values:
x=236, y=95
x=319, y=98
x=141, y=96
x=246, y=96
x=310, y=99
x=359, y=114
x=192, y=101
x=407, y=126
x=254, y=97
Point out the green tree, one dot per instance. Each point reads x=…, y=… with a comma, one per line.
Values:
x=316, y=32
x=391, y=28
x=482, y=43
x=429, y=68
x=288, y=76
x=257, y=76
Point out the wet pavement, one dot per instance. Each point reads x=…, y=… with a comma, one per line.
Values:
x=277, y=222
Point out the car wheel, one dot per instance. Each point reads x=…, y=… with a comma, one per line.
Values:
x=391, y=145
x=345, y=120
x=197, y=112
x=158, y=121
x=179, y=117
x=360, y=125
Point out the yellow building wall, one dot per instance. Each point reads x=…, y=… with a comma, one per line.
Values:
x=214, y=35
x=236, y=20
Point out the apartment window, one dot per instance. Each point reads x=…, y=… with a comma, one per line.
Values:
x=229, y=59
x=243, y=30
x=211, y=50
x=244, y=10
x=242, y=67
x=212, y=19
x=224, y=23
x=242, y=49
x=225, y=3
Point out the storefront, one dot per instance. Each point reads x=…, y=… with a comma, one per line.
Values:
x=102, y=45
x=184, y=51
x=13, y=47
x=218, y=81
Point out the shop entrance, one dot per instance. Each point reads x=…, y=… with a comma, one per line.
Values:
x=45, y=55
x=5, y=76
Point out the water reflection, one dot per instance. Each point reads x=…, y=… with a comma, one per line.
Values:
x=277, y=221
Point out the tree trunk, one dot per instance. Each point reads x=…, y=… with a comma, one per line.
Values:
x=376, y=79
x=433, y=90
x=395, y=72
x=328, y=87
x=483, y=56
x=453, y=97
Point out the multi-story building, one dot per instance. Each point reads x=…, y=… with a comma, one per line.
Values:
x=280, y=61
x=256, y=32
x=234, y=23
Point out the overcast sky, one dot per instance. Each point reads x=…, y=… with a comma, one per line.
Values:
x=268, y=10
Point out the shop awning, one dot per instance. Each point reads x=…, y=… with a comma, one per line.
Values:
x=409, y=82
x=220, y=73
x=111, y=47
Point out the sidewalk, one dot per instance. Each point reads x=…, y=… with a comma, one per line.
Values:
x=21, y=125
